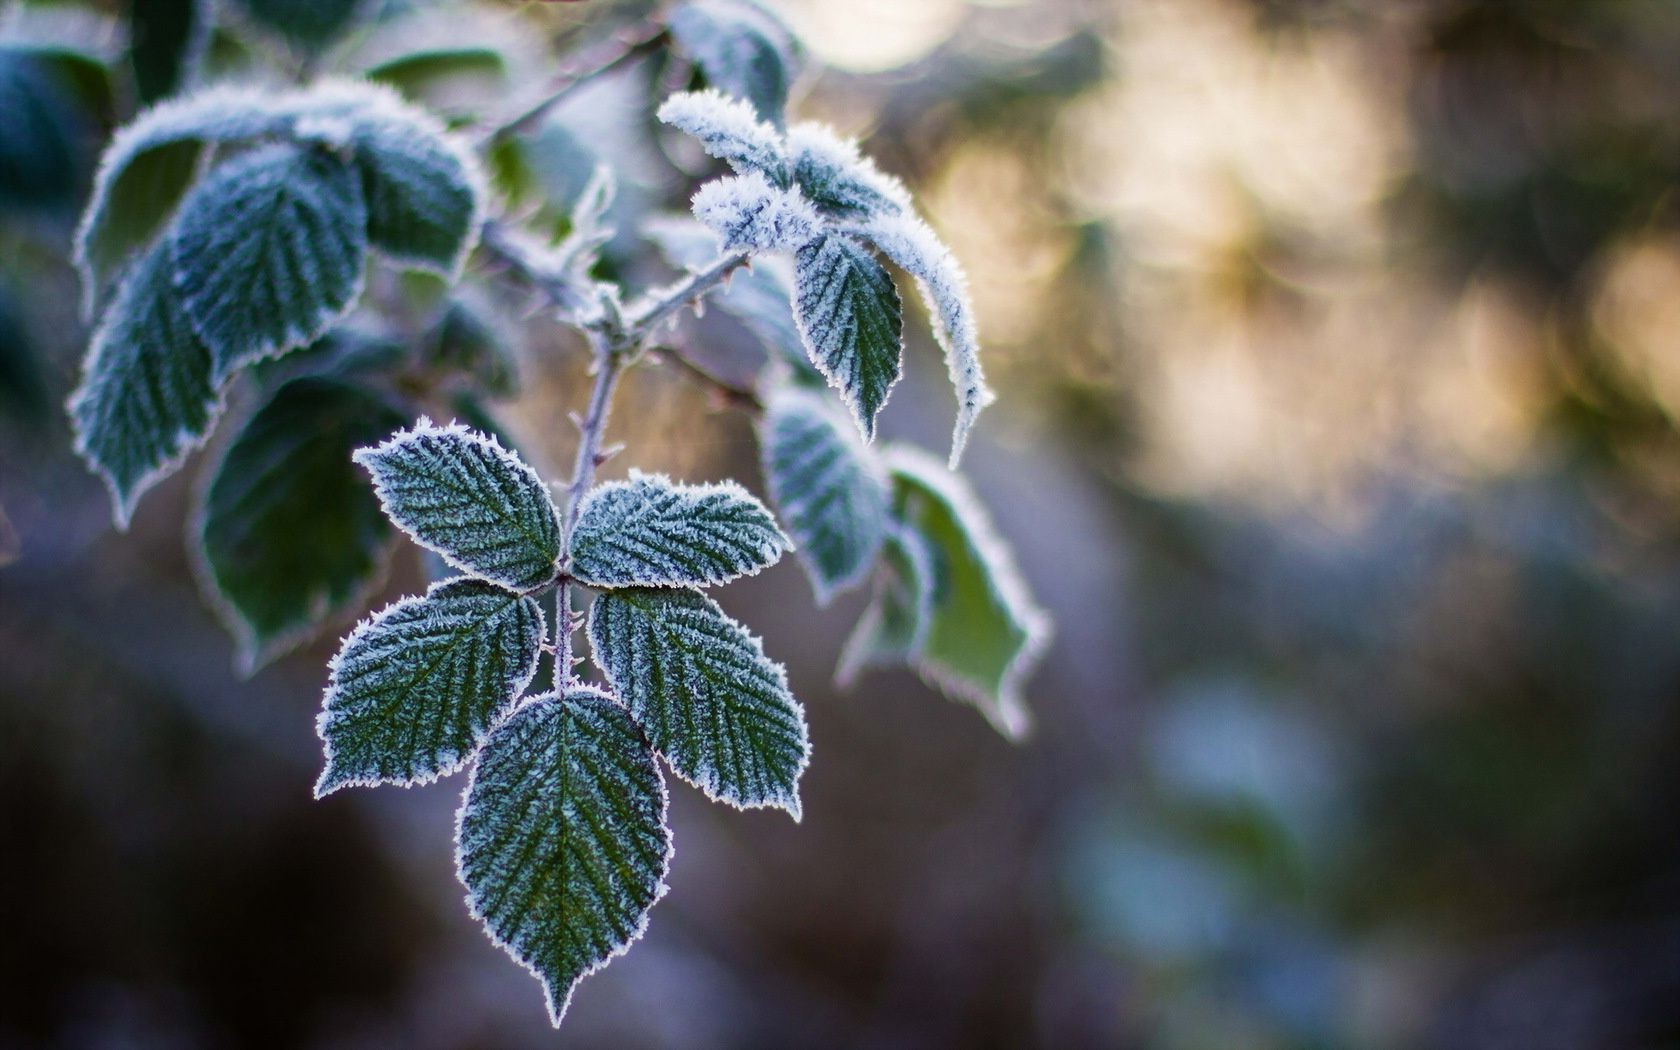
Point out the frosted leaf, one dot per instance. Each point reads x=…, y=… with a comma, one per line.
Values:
x=894, y=626
x=742, y=48
x=748, y=213
x=269, y=252
x=837, y=179
x=290, y=532
x=828, y=487
x=415, y=689
x=462, y=495
x=700, y=685
x=146, y=398
x=650, y=532
x=912, y=244
x=148, y=168
x=561, y=838
x=729, y=130
x=852, y=322
x=985, y=633
x=425, y=193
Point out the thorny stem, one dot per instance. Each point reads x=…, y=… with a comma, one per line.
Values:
x=610, y=54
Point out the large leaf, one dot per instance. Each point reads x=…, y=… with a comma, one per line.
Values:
x=416, y=689
x=425, y=195
x=651, y=532
x=561, y=840
x=702, y=688
x=269, y=252
x=852, y=322
x=827, y=485
x=290, y=532
x=912, y=244
x=984, y=632
x=742, y=48
x=146, y=398
x=462, y=495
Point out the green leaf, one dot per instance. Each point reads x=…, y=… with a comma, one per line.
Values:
x=462, y=495
x=984, y=633
x=561, y=839
x=893, y=629
x=416, y=689
x=828, y=487
x=425, y=195
x=146, y=398
x=23, y=389
x=269, y=252
x=311, y=24
x=702, y=688
x=743, y=49
x=41, y=162
x=290, y=531
x=852, y=321
x=651, y=532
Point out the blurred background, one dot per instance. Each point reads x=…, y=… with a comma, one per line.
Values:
x=1339, y=346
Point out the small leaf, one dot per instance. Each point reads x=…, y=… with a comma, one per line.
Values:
x=828, y=487
x=425, y=194
x=462, y=495
x=146, y=398
x=269, y=251
x=852, y=322
x=415, y=690
x=561, y=839
x=291, y=533
x=747, y=213
x=730, y=131
x=702, y=688
x=893, y=629
x=837, y=179
x=985, y=633
x=742, y=48
x=650, y=532
x=912, y=244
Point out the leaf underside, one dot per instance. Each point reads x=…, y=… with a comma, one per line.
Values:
x=561, y=838
x=415, y=690
x=702, y=688
x=462, y=495
x=852, y=321
x=650, y=532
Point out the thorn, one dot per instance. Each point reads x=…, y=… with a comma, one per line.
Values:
x=609, y=452
x=577, y=420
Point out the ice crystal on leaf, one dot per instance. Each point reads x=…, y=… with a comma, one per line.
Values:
x=650, y=532
x=729, y=130
x=837, y=179
x=747, y=212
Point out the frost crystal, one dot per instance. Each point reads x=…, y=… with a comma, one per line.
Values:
x=912, y=244
x=415, y=689
x=729, y=130
x=651, y=532
x=561, y=838
x=702, y=688
x=828, y=487
x=747, y=212
x=462, y=495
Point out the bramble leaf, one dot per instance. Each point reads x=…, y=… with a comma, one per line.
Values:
x=729, y=130
x=290, y=531
x=703, y=690
x=462, y=495
x=269, y=252
x=742, y=48
x=39, y=128
x=985, y=633
x=828, y=487
x=747, y=212
x=852, y=322
x=146, y=398
x=893, y=628
x=415, y=689
x=837, y=179
x=651, y=532
x=425, y=195
x=561, y=838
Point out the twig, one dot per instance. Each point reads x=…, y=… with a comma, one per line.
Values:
x=617, y=50
x=658, y=307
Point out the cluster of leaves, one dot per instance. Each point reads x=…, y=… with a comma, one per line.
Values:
x=229, y=235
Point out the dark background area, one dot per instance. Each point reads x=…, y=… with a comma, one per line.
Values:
x=1339, y=352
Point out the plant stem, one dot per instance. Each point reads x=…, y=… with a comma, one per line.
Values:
x=617, y=50
x=658, y=307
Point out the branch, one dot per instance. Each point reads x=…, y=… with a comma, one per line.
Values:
x=617, y=50
x=657, y=307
